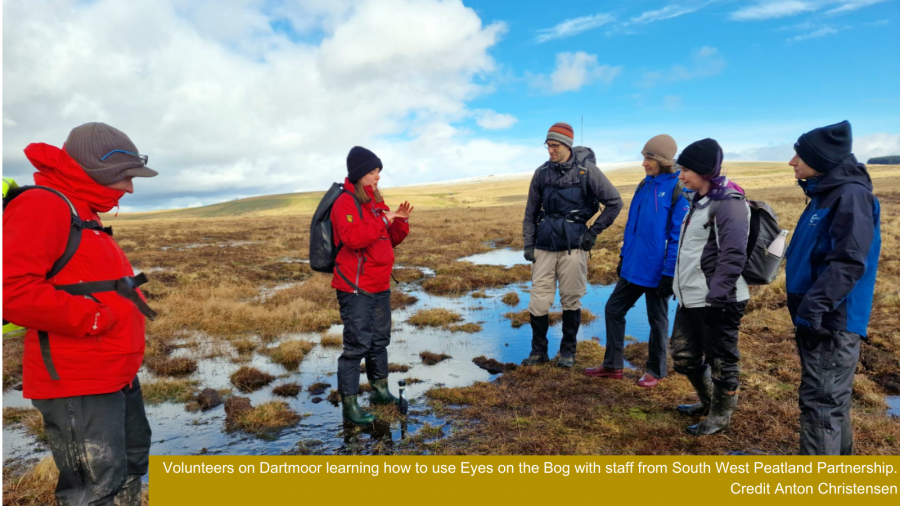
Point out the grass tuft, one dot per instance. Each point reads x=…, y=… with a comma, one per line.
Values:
x=248, y=379
x=169, y=390
x=290, y=353
x=429, y=358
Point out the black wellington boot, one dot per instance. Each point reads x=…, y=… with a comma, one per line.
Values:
x=571, y=321
x=539, y=327
x=721, y=407
x=704, y=387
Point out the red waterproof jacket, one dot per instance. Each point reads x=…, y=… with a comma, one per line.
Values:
x=96, y=347
x=367, y=255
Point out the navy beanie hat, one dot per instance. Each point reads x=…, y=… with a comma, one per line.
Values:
x=703, y=157
x=825, y=148
x=361, y=161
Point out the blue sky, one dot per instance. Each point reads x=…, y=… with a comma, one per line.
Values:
x=254, y=97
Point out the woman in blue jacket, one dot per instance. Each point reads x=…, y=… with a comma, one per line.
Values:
x=831, y=267
x=647, y=262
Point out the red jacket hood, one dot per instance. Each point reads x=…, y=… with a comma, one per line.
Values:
x=58, y=170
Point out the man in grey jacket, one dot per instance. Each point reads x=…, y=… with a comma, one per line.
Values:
x=565, y=193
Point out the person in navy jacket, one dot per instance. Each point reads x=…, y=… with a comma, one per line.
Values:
x=832, y=262
x=647, y=262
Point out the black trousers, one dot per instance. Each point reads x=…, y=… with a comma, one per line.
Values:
x=623, y=298
x=696, y=345
x=826, y=383
x=101, y=445
x=367, y=334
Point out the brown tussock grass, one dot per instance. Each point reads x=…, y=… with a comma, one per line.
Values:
x=290, y=353
x=523, y=317
x=13, y=351
x=397, y=367
x=465, y=327
x=243, y=346
x=407, y=275
x=413, y=380
x=169, y=390
x=459, y=278
x=437, y=317
x=318, y=386
x=35, y=486
x=287, y=390
x=171, y=366
x=400, y=300
x=332, y=340
x=430, y=358
x=30, y=418
x=510, y=299
x=266, y=417
x=248, y=379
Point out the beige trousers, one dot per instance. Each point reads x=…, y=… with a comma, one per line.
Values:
x=550, y=267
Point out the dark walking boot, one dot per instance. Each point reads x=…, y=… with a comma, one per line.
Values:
x=704, y=387
x=721, y=407
x=353, y=413
x=571, y=321
x=381, y=394
x=539, y=327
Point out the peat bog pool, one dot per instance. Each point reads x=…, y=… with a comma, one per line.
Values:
x=177, y=431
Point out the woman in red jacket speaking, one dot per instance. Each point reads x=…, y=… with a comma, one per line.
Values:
x=366, y=232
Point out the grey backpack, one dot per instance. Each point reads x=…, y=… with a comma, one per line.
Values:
x=761, y=267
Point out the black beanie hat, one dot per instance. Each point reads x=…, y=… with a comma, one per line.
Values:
x=361, y=161
x=702, y=157
x=825, y=148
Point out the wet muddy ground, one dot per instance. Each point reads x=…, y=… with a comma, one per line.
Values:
x=177, y=431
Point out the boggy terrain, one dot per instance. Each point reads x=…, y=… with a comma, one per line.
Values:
x=236, y=288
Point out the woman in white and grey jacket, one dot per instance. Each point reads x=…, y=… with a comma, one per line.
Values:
x=711, y=293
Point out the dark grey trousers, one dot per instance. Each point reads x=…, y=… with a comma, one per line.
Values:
x=623, y=298
x=367, y=334
x=696, y=345
x=101, y=445
x=826, y=384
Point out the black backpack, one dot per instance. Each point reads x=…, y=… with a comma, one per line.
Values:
x=322, y=250
x=761, y=267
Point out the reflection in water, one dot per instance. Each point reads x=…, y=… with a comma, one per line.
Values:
x=178, y=432
x=505, y=257
x=893, y=403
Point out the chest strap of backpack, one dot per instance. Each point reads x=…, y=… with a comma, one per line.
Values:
x=124, y=286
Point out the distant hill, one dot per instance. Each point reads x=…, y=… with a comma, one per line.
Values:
x=884, y=160
x=482, y=191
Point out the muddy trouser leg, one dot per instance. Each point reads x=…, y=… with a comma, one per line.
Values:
x=357, y=313
x=377, y=358
x=826, y=383
x=686, y=343
x=658, y=317
x=624, y=296
x=137, y=444
x=571, y=270
x=720, y=345
x=543, y=289
x=87, y=437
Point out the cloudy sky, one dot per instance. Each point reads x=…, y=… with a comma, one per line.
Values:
x=241, y=98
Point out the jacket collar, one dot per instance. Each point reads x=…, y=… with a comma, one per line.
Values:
x=60, y=171
x=848, y=172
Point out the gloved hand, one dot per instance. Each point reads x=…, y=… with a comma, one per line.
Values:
x=588, y=241
x=529, y=254
x=665, y=287
x=619, y=267
x=713, y=316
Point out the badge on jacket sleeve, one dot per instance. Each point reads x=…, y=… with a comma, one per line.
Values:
x=350, y=218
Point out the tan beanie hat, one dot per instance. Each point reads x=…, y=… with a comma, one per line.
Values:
x=661, y=148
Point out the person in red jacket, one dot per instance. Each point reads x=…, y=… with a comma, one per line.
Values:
x=82, y=350
x=366, y=232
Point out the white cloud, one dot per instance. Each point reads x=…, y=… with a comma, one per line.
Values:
x=705, y=62
x=492, y=120
x=574, y=26
x=575, y=70
x=821, y=32
x=769, y=9
x=228, y=106
x=672, y=102
x=667, y=12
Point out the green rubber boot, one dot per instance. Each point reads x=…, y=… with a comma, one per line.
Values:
x=381, y=394
x=353, y=413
